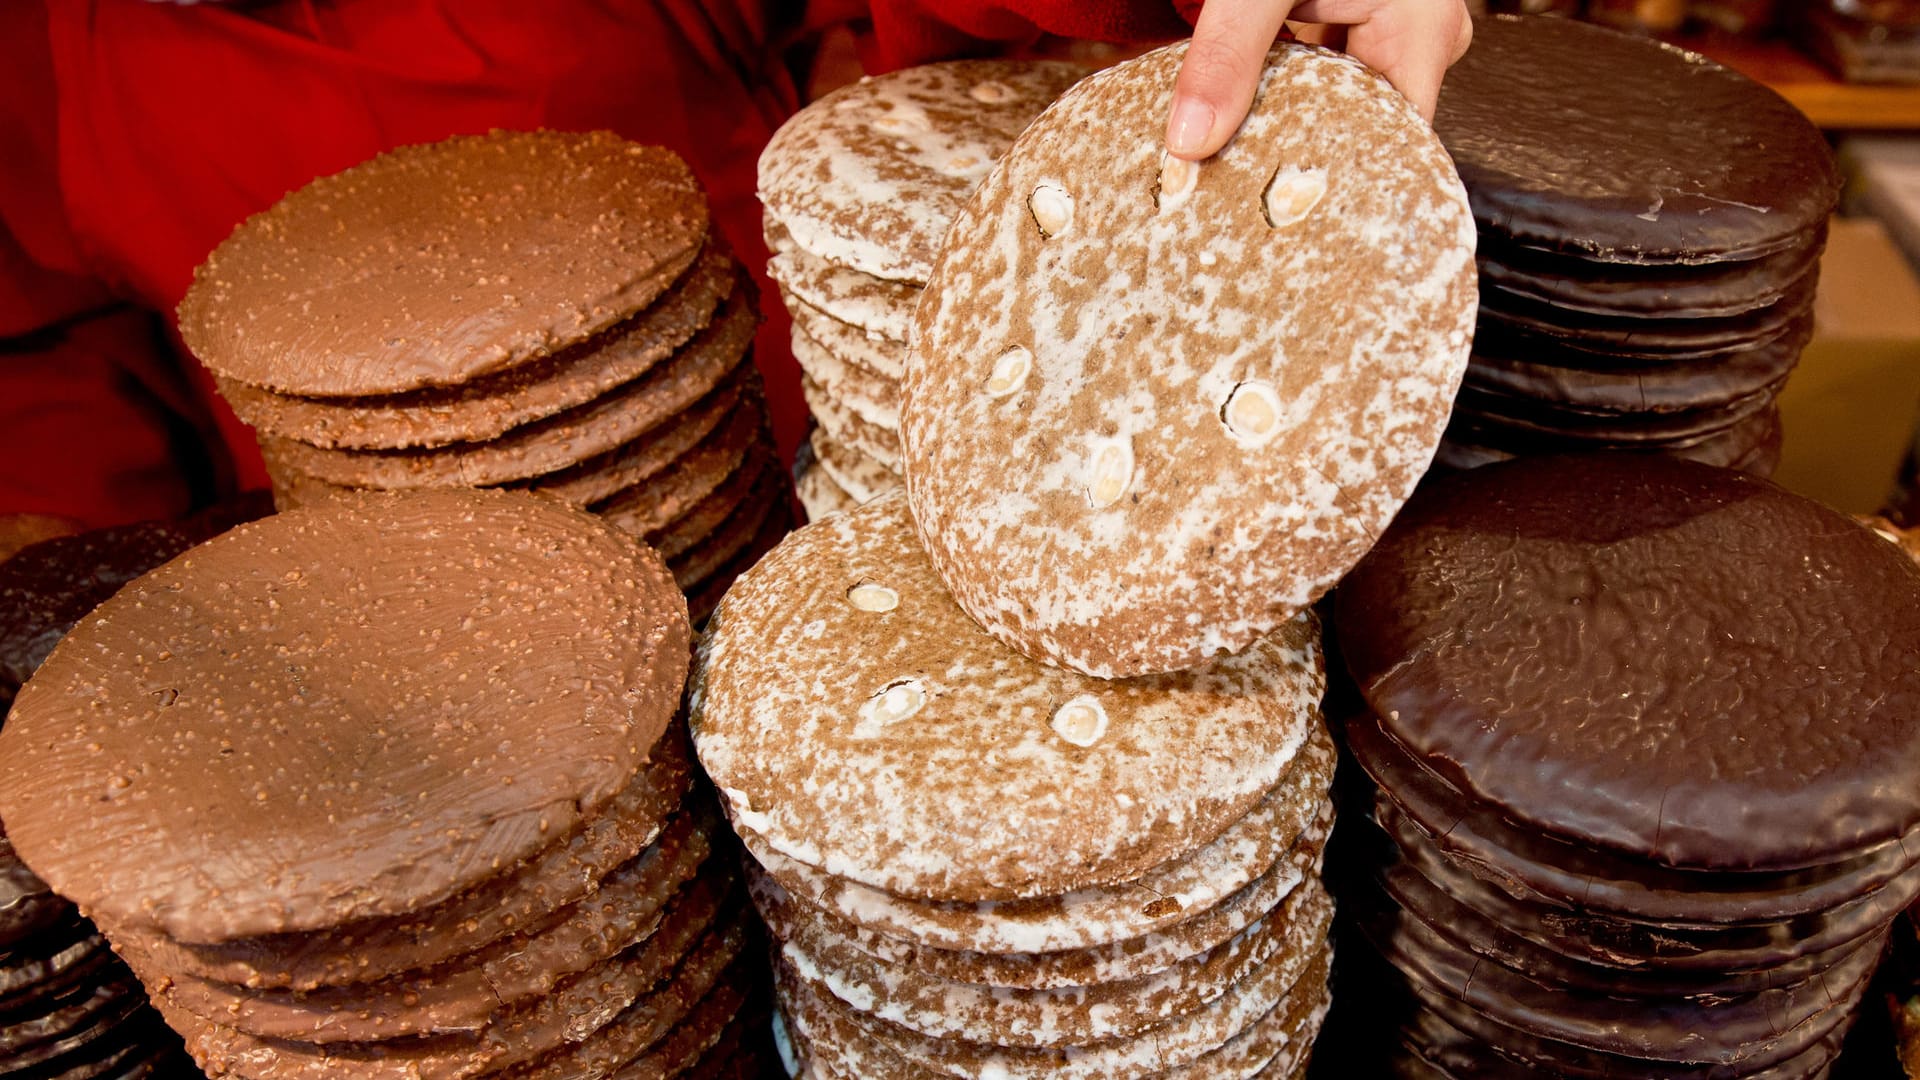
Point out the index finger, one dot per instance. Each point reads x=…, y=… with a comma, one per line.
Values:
x=1220, y=73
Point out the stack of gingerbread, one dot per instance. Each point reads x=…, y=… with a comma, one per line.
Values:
x=1650, y=233
x=1029, y=757
x=859, y=188
x=1643, y=738
x=393, y=786
x=532, y=310
x=977, y=864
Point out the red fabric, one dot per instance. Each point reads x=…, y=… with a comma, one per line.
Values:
x=138, y=134
x=908, y=32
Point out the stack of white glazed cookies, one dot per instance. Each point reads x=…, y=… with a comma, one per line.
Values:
x=859, y=189
x=1029, y=757
x=982, y=865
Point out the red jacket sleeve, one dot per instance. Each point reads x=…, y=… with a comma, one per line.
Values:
x=176, y=121
x=907, y=32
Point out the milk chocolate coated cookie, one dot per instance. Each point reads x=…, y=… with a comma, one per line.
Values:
x=441, y=262
x=1206, y=389
x=1498, y=603
x=928, y=760
x=869, y=176
x=48, y=586
x=1569, y=137
x=210, y=697
x=556, y=442
x=489, y=406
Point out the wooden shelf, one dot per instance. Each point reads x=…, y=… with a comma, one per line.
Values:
x=1799, y=78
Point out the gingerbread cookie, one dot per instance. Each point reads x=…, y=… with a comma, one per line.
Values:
x=1210, y=387
x=869, y=176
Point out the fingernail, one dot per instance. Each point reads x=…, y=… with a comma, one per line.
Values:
x=1189, y=125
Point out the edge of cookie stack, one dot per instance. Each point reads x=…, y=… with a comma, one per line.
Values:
x=1651, y=225
x=1573, y=858
x=542, y=311
x=858, y=189
x=942, y=902
x=557, y=898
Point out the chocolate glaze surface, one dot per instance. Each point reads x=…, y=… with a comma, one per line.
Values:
x=47, y=587
x=1678, y=663
x=354, y=709
x=432, y=264
x=1572, y=137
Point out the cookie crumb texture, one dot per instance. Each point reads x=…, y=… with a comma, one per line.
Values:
x=857, y=722
x=1204, y=391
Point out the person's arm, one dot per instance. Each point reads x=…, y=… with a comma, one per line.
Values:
x=1411, y=42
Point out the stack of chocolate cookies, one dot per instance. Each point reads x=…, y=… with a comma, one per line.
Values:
x=1644, y=743
x=542, y=310
x=859, y=188
x=393, y=786
x=979, y=865
x=68, y=1007
x=1650, y=233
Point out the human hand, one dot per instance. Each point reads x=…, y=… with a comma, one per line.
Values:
x=1411, y=42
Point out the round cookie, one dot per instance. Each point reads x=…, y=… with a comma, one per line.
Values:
x=1670, y=291
x=1203, y=391
x=1630, y=388
x=489, y=406
x=1182, y=1042
x=704, y=994
x=759, y=508
x=565, y=872
x=950, y=1008
x=631, y=904
x=1568, y=137
x=674, y=491
x=870, y=176
x=661, y=979
x=1112, y=961
x=1250, y=850
x=1481, y=626
x=881, y=356
x=876, y=766
x=278, y=698
x=607, y=474
x=445, y=261
x=553, y=443
x=843, y=1049
x=875, y=399
x=47, y=587
x=698, y=524
x=706, y=595
x=1752, y=446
